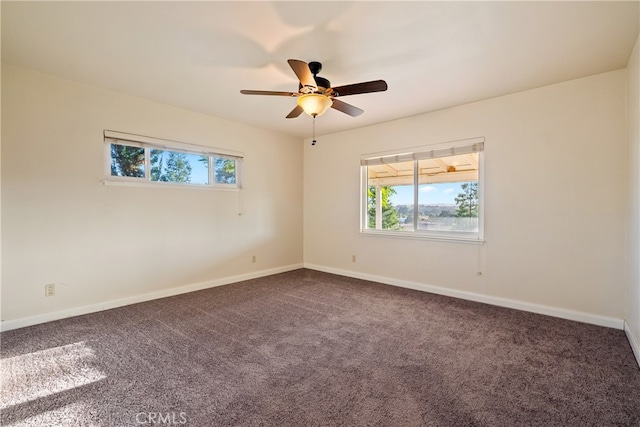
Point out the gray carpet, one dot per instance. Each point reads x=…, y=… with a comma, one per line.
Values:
x=306, y=348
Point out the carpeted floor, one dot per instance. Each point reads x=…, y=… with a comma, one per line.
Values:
x=306, y=348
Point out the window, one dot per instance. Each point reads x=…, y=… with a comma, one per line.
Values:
x=432, y=192
x=134, y=158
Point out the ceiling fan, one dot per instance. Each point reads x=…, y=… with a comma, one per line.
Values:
x=315, y=94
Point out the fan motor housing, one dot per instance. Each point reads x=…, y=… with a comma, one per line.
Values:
x=323, y=84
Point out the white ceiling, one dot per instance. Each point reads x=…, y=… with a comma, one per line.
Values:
x=198, y=55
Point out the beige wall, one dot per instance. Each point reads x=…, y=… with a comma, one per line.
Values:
x=100, y=243
x=633, y=125
x=555, y=199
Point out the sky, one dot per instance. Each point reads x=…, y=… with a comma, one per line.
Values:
x=428, y=194
x=199, y=170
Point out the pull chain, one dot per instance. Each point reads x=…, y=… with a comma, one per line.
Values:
x=314, y=130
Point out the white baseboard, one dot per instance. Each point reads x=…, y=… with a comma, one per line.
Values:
x=594, y=319
x=8, y=325
x=633, y=340
x=487, y=299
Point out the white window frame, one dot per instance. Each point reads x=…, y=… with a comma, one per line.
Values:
x=415, y=154
x=150, y=143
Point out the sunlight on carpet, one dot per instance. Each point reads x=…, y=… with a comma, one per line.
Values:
x=43, y=373
x=76, y=411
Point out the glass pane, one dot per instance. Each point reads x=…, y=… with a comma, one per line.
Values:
x=448, y=193
x=401, y=200
x=390, y=196
x=174, y=166
x=451, y=206
x=127, y=161
x=224, y=170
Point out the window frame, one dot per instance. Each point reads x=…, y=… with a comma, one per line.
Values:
x=151, y=143
x=413, y=154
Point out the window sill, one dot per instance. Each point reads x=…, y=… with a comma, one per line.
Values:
x=444, y=237
x=127, y=183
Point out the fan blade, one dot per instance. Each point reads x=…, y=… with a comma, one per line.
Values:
x=346, y=108
x=295, y=112
x=266, y=92
x=356, y=88
x=303, y=73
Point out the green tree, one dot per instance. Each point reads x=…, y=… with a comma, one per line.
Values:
x=127, y=160
x=157, y=164
x=176, y=169
x=224, y=170
x=390, y=220
x=467, y=201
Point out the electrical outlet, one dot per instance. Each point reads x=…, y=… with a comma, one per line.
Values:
x=49, y=290
x=353, y=258
x=253, y=259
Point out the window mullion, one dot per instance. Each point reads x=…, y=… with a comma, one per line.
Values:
x=211, y=171
x=415, y=196
x=147, y=164
x=378, y=207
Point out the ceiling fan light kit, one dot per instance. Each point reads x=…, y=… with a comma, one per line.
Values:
x=314, y=104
